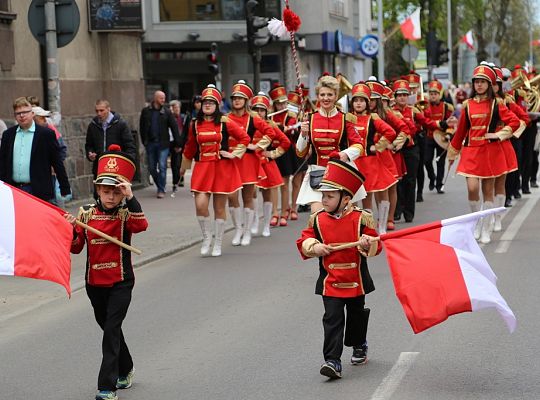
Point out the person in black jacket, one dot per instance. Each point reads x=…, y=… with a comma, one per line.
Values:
x=27, y=153
x=107, y=128
x=154, y=125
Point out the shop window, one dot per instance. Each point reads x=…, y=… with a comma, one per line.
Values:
x=338, y=8
x=241, y=64
x=212, y=10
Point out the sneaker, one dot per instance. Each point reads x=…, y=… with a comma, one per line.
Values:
x=125, y=382
x=106, y=395
x=359, y=354
x=174, y=190
x=534, y=184
x=181, y=183
x=160, y=195
x=331, y=369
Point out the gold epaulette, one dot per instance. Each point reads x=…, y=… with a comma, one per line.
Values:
x=86, y=212
x=375, y=116
x=415, y=109
x=224, y=118
x=292, y=114
x=272, y=123
x=450, y=107
x=465, y=103
x=397, y=113
x=311, y=219
x=499, y=100
x=123, y=213
x=508, y=99
x=367, y=219
x=351, y=118
x=253, y=114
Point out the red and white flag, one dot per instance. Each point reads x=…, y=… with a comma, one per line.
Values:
x=535, y=42
x=468, y=39
x=35, y=239
x=439, y=270
x=411, y=26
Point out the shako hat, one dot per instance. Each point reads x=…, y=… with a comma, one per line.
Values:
x=242, y=89
x=113, y=166
x=341, y=176
x=361, y=90
x=401, y=86
x=484, y=71
x=260, y=101
x=278, y=93
x=211, y=93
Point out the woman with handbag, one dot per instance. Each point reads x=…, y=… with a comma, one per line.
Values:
x=327, y=133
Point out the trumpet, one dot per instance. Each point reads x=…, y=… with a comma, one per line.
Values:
x=521, y=81
x=345, y=87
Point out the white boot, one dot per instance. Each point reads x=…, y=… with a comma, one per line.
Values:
x=499, y=202
x=236, y=214
x=255, y=223
x=384, y=207
x=204, y=222
x=487, y=226
x=218, y=233
x=248, y=220
x=267, y=215
x=475, y=206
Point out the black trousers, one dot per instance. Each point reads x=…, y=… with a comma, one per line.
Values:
x=529, y=136
x=420, y=177
x=335, y=324
x=430, y=150
x=110, y=308
x=512, y=184
x=407, y=186
x=176, y=161
x=534, y=167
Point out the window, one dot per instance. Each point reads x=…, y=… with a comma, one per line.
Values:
x=338, y=8
x=4, y=5
x=213, y=10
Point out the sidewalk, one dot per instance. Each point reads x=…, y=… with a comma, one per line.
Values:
x=172, y=228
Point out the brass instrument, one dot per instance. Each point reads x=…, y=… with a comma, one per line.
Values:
x=533, y=99
x=535, y=82
x=345, y=87
x=521, y=81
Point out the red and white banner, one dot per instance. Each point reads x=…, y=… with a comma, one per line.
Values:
x=439, y=270
x=410, y=28
x=468, y=39
x=35, y=239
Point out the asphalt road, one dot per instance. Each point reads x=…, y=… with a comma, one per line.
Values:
x=248, y=326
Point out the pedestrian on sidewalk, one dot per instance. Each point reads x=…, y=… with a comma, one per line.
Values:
x=215, y=173
x=344, y=278
x=176, y=157
x=109, y=271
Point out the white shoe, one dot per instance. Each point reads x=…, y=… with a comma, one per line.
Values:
x=248, y=220
x=499, y=202
x=255, y=225
x=487, y=225
x=236, y=214
x=204, y=223
x=267, y=216
x=475, y=207
x=218, y=232
x=384, y=208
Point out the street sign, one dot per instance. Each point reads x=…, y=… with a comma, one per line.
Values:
x=369, y=46
x=409, y=53
x=67, y=21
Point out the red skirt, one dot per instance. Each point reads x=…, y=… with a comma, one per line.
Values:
x=510, y=155
x=485, y=161
x=389, y=163
x=401, y=167
x=218, y=176
x=273, y=175
x=250, y=168
x=378, y=177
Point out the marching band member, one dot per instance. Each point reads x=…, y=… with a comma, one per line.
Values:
x=395, y=120
x=330, y=134
x=261, y=135
x=215, y=173
x=280, y=144
x=378, y=136
x=483, y=123
x=441, y=111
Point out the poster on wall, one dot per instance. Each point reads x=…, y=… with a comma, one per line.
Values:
x=115, y=15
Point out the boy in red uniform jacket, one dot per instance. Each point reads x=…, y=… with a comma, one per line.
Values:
x=344, y=278
x=109, y=272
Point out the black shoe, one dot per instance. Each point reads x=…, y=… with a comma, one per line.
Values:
x=517, y=195
x=303, y=208
x=181, y=183
x=419, y=198
x=525, y=191
x=397, y=217
x=431, y=185
x=408, y=219
x=440, y=190
x=534, y=184
x=508, y=202
x=359, y=355
x=331, y=369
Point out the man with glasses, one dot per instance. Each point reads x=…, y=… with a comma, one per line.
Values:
x=27, y=153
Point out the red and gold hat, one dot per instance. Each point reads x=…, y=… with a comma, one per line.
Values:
x=484, y=71
x=211, y=93
x=376, y=87
x=414, y=79
x=388, y=93
x=294, y=98
x=499, y=73
x=435, y=86
x=516, y=71
x=278, y=93
x=260, y=101
x=242, y=89
x=113, y=166
x=401, y=86
x=361, y=90
x=341, y=176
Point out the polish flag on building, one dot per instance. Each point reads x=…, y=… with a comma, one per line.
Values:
x=439, y=270
x=35, y=239
x=468, y=39
x=411, y=26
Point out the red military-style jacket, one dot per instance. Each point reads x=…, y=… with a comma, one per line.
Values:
x=343, y=273
x=438, y=112
x=280, y=144
x=329, y=134
x=284, y=120
x=259, y=132
x=522, y=114
x=106, y=262
x=374, y=132
x=416, y=120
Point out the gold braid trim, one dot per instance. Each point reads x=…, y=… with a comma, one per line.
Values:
x=367, y=219
x=264, y=142
x=308, y=245
x=400, y=139
x=276, y=153
x=351, y=118
x=224, y=118
x=382, y=144
x=123, y=214
x=452, y=152
x=505, y=133
x=86, y=213
x=522, y=125
x=239, y=150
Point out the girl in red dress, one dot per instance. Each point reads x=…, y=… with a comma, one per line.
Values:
x=273, y=179
x=215, y=173
x=377, y=135
x=484, y=122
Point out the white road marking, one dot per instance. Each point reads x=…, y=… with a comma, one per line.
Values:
x=391, y=382
x=512, y=230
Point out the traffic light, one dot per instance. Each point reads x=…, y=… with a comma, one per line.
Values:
x=442, y=53
x=253, y=24
x=213, y=63
x=436, y=49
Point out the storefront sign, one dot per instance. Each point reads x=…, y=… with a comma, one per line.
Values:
x=115, y=15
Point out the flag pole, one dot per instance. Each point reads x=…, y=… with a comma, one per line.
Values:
x=109, y=238
x=354, y=244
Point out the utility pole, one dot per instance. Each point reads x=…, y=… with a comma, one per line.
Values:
x=380, y=33
x=53, y=81
x=449, y=40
